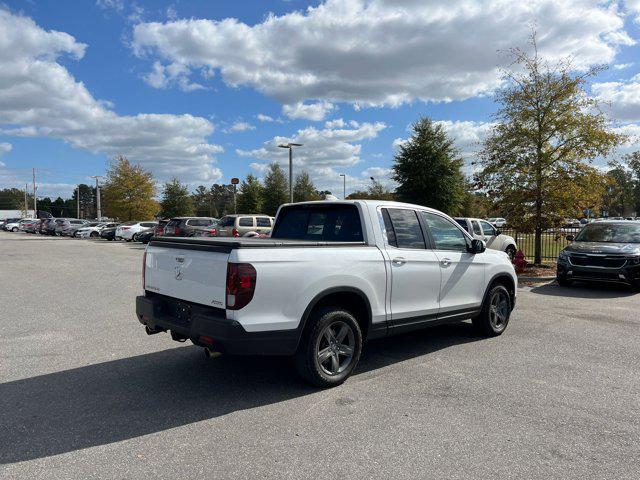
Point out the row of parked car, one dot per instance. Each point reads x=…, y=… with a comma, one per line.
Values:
x=236, y=225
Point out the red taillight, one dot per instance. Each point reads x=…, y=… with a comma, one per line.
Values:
x=235, y=233
x=241, y=283
x=144, y=268
x=213, y=232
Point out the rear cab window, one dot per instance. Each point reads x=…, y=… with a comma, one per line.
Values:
x=339, y=223
x=403, y=228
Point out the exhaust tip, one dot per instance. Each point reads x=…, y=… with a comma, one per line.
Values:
x=210, y=354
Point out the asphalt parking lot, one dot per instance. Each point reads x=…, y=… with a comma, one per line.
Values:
x=85, y=393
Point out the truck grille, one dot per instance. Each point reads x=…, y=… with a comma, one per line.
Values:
x=596, y=261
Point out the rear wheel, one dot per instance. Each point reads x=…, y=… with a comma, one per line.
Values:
x=495, y=314
x=14, y=229
x=94, y=235
x=330, y=348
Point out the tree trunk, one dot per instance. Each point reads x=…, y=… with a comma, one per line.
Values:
x=538, y=246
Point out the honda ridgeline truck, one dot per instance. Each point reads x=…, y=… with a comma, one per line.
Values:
x=333, y=275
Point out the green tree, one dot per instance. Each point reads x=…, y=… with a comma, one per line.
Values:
x=128, y=191
x=632, y=160
x=375, y=191
x=276, y=189
x=535, y=161
x=13, y=199
x=250, y=195
x=202, y=202
x=221, y=199
x=176, y=201
x=87, y=201
x=428, y=169
x=303, y=189
x=620, y=191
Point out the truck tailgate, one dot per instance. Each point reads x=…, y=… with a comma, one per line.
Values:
x=187, y=274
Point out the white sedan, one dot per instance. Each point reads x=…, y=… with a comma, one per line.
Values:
x=127, y=230
x=93, y=229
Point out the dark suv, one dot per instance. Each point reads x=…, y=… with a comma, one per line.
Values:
x=186, y=226
x=602, y=252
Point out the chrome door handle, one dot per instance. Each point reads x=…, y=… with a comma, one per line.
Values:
x=399, y=261
x=445, y=262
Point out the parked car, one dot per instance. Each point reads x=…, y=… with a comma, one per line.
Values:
x=48, y=226
x=12, y=224
x=126, y=230
x=204, y=231
x=333, y=274
x=602, y=252
x=498, y=222
x=239, y=224
x=70, y=225
x=32, y=226
x=185, y=226
x=93, y=229
x=159, y=229
x=145, y=236
x=108, y=233
x=493, y=237
x=26, y=223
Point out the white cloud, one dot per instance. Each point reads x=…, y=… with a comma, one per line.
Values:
x=374, y=52
x=264, y=118
x=39, y=97
x=322, y=150
x=621, y=99
x=240, y=127
x=633, y=7
x=622, y=66
x=5, y=148
x=337, y=123
x=171, y=75
x=309, y=111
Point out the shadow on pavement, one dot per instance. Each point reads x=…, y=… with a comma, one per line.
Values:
x=585, y=290
x=126, y=398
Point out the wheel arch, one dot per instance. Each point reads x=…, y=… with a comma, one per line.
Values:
x=353, y=299
x=508, y=282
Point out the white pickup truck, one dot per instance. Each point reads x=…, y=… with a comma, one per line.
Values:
x=333, y=275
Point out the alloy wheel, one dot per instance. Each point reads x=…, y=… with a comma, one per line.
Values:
x=499, y=310
x=335, y=348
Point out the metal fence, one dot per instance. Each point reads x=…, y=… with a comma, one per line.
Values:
x=553, y=241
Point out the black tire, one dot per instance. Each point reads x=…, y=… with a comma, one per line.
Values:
x=563, y=281
x=14, y=229
x=511, y=251
x=495, y=313
x=315, y=341
x=94, y=235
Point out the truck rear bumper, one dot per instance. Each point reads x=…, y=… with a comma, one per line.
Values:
x=209, y=327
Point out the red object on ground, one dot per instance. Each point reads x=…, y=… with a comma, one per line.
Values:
x=519, y=261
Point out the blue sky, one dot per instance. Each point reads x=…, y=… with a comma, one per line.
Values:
x=205, y=90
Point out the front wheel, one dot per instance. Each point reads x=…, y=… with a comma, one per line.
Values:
x=14, y=229
x=494, y=317
x=563, y=281
x=330, y=349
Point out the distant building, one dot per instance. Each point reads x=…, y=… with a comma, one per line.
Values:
x=16, y=214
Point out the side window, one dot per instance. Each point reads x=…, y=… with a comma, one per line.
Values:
x=263, y=222
x=488, y=229
x=476, y=227
x=406, y=229
x=446, y=235
x=246, y=222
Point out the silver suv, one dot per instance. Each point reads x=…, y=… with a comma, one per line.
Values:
x=238, y=225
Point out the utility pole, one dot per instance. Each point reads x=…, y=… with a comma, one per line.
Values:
x=78, y=200
x=344, y=186
x=35, y=201
x=290, y=147
x=98, y=206
x=26, y=203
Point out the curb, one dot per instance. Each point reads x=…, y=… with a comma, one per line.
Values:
x=536, y=279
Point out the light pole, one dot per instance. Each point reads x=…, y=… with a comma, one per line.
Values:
x=344, y=186
x=290, y=147
x=98, y=206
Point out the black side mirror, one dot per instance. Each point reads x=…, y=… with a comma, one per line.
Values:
x=477, y=246
x=498, y=232
x=570, y=238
